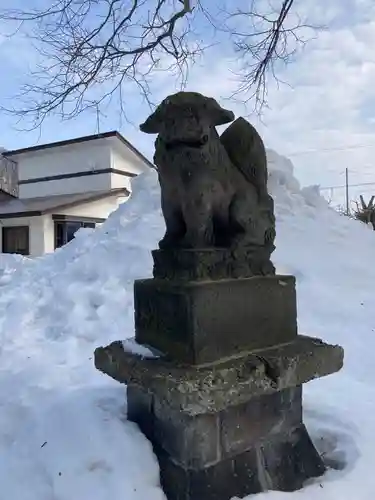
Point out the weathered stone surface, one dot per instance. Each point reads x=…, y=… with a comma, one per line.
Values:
x=209, y=264
x=140, y=409
x=192, y=441
x=202, y=322
x=198, y=441
x=262, y=417
x=213, y=192
x=240, y=450
x=284, y=462
x=288, y=464
x=222, y=481
x=215, y=387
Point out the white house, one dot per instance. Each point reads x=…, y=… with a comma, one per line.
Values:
x=48, y=192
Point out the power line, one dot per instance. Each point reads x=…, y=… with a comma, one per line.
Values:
x=346, y=186
x=327, y=150
x=349, y=185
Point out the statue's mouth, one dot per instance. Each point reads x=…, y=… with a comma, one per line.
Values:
x=186, y=143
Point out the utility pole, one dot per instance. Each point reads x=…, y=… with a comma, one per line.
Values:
x=97, y=120
x=347, y=190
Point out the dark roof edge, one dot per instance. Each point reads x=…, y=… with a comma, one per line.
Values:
x=14, y=215
x=90, y=199
x=77, y=140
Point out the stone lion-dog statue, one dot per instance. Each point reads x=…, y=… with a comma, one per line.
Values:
x=213, y=188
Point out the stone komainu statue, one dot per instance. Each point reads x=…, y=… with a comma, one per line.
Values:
x=213, y=189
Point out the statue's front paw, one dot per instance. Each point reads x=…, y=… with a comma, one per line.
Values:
x=170, y=242
x=184, y=244
x=166, y=243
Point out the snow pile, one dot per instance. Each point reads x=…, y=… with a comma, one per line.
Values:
x=63, y=431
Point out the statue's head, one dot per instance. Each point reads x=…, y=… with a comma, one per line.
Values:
x=186, y=118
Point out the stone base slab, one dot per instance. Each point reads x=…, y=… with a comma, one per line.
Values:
x=216, y=386
x=202, y=322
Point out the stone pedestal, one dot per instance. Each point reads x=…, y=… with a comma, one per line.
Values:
x=219, y=393
x=204, y=321
x=247, y=448
x=226, y=429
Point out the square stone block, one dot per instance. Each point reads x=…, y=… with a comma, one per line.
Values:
x=203, y=322
x=193, y=442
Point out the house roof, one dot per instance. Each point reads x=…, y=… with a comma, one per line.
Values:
x=30, y=207
x=78, y=140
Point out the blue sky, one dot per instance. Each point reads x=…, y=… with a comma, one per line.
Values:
x=329, y=102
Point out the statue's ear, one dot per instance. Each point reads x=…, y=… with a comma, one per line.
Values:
x=152, y=124
x=219, y=115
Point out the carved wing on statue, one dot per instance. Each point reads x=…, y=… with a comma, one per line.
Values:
x=246, y=150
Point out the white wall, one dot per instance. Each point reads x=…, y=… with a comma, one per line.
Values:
x=124, y=160
x=68, y=159
x=100, y=182
x=120, y=181
x=100, y=209
x=82, y=157
x=36, y=232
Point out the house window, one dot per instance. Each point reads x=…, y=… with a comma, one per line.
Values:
x=66, y=229
x=16, y=240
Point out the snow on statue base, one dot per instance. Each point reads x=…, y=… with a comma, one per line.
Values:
x=220, y=395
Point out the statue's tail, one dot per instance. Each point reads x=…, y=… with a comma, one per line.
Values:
x=247, y=153
x=246, y=150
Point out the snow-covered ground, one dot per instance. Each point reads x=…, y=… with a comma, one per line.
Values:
x=63, y=428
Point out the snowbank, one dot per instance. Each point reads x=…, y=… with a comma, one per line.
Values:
x=63, y=430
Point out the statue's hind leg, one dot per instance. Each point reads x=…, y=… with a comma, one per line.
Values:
x=244, y=217
x=253, y=241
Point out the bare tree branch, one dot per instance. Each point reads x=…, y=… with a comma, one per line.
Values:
x=269, y=43
x=89, y=49
x=365, y=212
x=86, y=43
